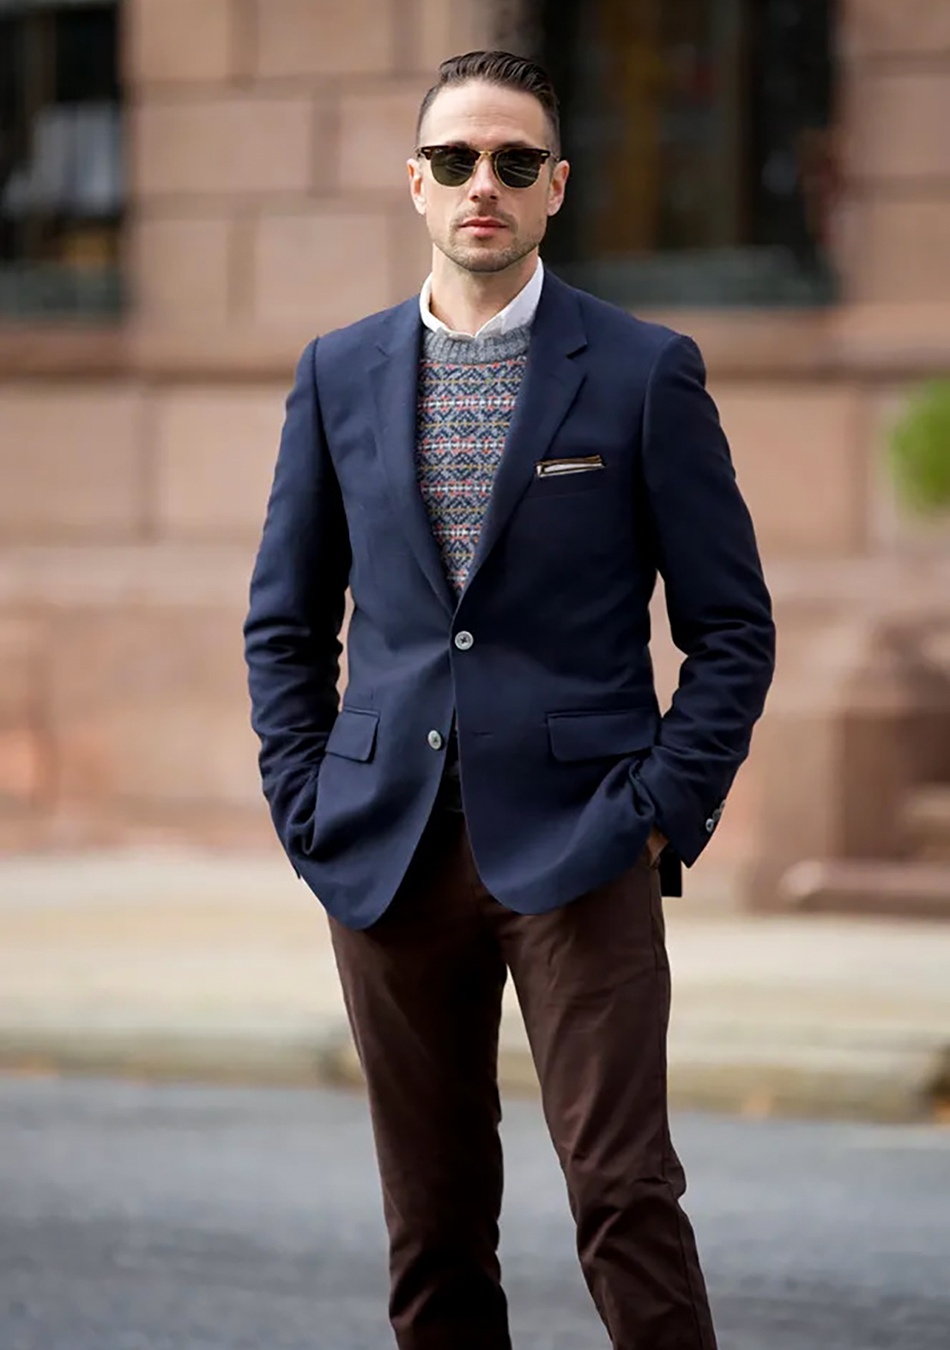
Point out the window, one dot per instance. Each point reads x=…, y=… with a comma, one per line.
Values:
x=699, y=136
x=61, y=189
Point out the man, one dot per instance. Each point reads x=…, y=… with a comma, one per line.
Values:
x=497, y=469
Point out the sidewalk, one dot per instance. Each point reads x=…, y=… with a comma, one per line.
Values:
x=190, y=965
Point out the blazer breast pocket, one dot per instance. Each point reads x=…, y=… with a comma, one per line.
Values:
x=564, y=477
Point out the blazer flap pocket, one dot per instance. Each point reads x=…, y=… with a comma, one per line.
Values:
x=354, y=734
x=595, y=735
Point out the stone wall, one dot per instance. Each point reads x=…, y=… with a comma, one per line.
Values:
x=268, y=158
x=895, y=109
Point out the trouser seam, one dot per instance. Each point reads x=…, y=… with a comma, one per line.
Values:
x=661, y=971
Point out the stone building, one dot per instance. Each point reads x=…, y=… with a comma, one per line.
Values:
x=772, y=178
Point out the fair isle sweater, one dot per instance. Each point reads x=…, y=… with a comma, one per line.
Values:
x=467, y=392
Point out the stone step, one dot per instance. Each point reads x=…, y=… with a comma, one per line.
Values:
x=913, y=890
x=927, y=818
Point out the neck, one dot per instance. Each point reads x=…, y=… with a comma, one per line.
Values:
x=465, y=301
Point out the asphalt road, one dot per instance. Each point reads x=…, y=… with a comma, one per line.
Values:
x=140, y=1217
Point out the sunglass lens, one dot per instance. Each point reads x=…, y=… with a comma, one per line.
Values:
x=519, y=168
x=452, y=165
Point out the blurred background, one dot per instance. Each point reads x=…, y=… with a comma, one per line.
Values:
x=189, y=191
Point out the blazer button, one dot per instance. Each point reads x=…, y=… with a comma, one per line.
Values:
x=435, y=740
x=464, y=640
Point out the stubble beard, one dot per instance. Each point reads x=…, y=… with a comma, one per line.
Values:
x=487, y=261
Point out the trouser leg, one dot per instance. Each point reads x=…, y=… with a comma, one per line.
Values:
x=594, y=985
x=423, y=991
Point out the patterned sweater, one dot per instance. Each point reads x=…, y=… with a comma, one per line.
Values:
x=467, y=392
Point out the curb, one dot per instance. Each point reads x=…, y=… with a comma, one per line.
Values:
x=250, y=1060
x=897, y=1085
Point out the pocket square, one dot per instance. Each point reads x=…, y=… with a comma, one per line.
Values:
x=545, y=468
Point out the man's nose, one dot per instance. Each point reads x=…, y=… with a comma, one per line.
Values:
x=483, y=182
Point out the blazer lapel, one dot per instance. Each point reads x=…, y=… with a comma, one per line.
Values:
x=552, y=378
x=395, y=378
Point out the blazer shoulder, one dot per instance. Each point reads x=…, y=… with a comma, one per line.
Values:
x=610, y=324
x=353, y=338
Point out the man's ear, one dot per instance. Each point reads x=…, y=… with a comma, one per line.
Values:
x=417, y=186
x=559, y=177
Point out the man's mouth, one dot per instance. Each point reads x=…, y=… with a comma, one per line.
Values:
x=486, y=224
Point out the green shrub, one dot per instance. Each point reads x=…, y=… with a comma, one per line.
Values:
x=919, y=450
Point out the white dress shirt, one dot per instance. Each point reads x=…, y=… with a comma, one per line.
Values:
x=516, y=313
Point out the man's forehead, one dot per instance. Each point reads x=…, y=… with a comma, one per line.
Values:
x=497, y=114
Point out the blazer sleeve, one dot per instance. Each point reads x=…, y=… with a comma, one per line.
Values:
x=297, y=599
x=719, y=607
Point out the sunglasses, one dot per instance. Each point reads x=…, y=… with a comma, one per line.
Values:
x=516, y=167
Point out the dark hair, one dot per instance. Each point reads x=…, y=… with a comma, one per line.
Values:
x=503, y=68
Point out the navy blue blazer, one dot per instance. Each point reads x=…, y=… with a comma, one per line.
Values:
x=565, y=761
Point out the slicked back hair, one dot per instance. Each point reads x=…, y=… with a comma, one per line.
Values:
x=506, y=70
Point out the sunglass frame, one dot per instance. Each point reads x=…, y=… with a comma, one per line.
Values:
x=428, y=151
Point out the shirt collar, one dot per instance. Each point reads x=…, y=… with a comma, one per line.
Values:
x=516, y=314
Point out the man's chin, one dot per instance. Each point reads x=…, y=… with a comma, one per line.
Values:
x=488, y=259
x=487, y=264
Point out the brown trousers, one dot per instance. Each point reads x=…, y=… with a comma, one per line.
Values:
x=423, y=989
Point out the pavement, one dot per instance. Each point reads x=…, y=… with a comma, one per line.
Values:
x=226, y=1218
x=187, y=965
